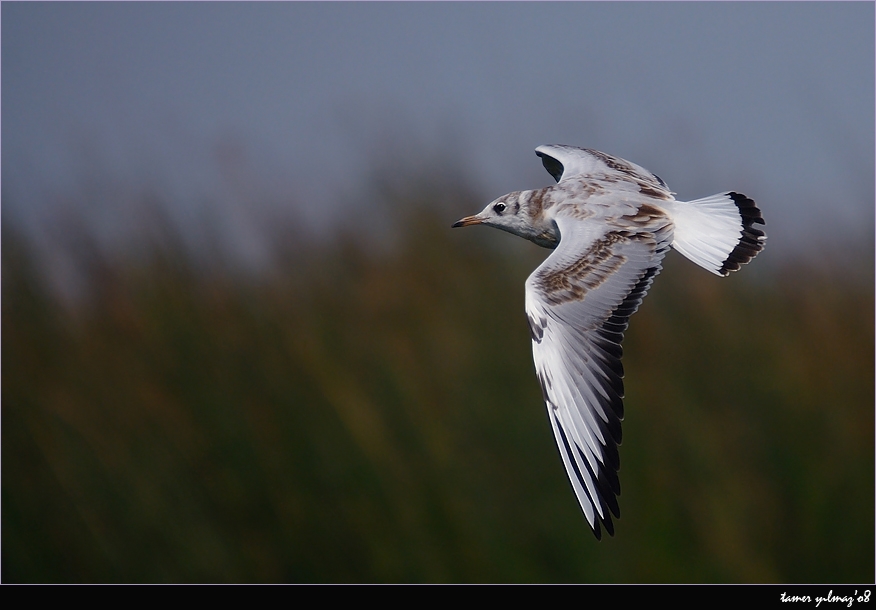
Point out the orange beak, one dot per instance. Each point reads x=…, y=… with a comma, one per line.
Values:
x=467, y=221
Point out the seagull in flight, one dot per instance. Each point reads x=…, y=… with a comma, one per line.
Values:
x=609, y=223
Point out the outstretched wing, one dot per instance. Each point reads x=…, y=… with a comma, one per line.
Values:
x=578, y=303
x=568, y=162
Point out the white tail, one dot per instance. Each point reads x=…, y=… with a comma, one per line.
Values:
x=716, y=232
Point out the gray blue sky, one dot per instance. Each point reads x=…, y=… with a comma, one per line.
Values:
x=773, y=99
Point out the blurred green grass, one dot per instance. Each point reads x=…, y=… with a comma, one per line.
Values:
x=368, y=413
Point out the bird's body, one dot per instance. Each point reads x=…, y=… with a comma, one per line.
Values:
x=610, y=223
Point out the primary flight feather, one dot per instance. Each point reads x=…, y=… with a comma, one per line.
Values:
x=609, y=223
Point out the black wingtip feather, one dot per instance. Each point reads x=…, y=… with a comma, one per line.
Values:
x=554, y=167
x=608, y=487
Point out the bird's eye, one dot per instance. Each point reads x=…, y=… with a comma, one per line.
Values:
x=499, y=208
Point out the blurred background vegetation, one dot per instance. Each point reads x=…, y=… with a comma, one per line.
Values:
x=364, y=409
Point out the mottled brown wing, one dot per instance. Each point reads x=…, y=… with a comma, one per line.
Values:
x=570, y=162
x=578, y=303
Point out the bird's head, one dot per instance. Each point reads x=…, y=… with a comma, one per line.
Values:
x=503, y=213
x=516, y=213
